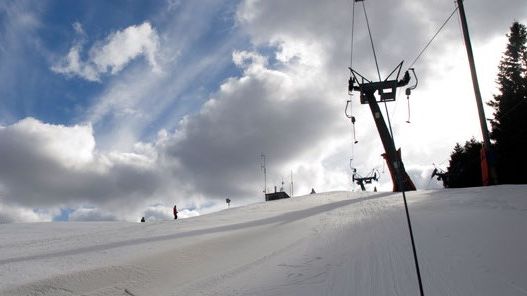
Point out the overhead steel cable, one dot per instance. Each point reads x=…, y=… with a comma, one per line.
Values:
x=433, y=37
x=397, y=163
x=352, y=33
x=377, y=65
x=371, y=40
x=425, y=48
x=349, y=102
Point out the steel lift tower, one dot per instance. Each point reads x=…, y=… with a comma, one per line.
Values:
x=386, y=89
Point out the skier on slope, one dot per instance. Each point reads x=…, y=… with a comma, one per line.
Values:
x=175, y=212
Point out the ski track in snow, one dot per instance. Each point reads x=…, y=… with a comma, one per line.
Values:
x=469, y=242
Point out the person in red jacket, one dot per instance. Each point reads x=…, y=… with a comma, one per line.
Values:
x=175, y=212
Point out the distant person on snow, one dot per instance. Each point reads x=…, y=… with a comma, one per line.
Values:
x=142, y=219
x=175, y=212
x=313, y=191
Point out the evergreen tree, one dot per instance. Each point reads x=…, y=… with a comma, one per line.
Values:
x=464, y=169
x=509, y=126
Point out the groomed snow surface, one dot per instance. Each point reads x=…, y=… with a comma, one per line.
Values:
x=469, y=242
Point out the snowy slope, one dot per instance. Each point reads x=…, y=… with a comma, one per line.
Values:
x=470, y=242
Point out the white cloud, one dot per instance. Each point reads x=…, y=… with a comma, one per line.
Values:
x=158, y=213
x=283, y=113
x=70, y=146
x=72, y=65
x=91, y=214
x=123, y=46
x=43, y=165
x=78, y=28
x=11, y=214
x=245, y=58
x=112, y=54
x=163, y=212
x=186, y=213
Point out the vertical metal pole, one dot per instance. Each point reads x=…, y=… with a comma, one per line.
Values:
x=475, y=84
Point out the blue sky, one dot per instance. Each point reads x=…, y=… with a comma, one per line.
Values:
x=30, y=49
x=151, y=103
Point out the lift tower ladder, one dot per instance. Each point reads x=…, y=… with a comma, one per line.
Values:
x=386, y=90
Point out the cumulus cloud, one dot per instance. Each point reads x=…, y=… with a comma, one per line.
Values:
x=158, y=212
x=71, y=65
x=266, y=111
x=91, y=214
x=211, y=154
x=112, y=54
x=11, y=214
x=162, y=212
x=45, y=165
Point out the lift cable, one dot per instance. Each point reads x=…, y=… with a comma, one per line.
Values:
x=349, y=102
x=422, y=52
x=371, y=40
x=433, y=37
x=377, y=65
x=398, y=178
x=352, y=33
x=414, y=250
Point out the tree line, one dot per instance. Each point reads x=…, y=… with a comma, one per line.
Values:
x=508, y=127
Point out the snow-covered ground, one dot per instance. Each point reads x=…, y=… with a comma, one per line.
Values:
x=470, y=242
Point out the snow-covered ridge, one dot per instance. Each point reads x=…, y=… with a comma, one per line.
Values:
x=469, y=242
